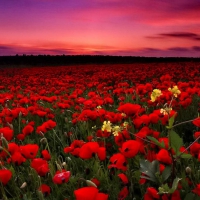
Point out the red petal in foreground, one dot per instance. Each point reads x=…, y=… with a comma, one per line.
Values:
x=45, y=189
x=196, y=122
x=130, y=148
x=86, y=193
x=5, y=176
x=61, y=177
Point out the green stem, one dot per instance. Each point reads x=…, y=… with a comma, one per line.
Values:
x=183, y=122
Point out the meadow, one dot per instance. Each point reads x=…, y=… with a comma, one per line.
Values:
x=98, y=132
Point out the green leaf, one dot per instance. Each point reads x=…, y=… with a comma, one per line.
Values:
x=176, y=141
x=186, y=155
x=166, y=173
x=189, y=196
x=171, y=121
x=174, y=185
x=149, y=169
x=160, y=144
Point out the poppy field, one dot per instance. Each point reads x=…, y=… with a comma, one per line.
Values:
x=100, y=132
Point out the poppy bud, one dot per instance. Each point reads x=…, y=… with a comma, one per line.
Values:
x=4, y=142
x=90, y=183
x=43, y=140
x=23, y=185
x=188, y=170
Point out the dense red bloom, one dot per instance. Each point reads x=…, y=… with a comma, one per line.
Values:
x=45, y=189
x=118, y=161
x=89, y=193
x=129, y=109
x=88, y=150
x=40, y=166
x=41, y=113
x=151, y=194
x=144, y=119
x=5, y=176
x=197, y=190
x=101, y=153
x=195, y=149
x=124, y=178
x=29, y=151
x=7, y=133
x=61, y=177
x=46, y=155
x=130, y=148
x=17, y=158
x=123, y=193
x=165, y=140
x=196, y=122
x=164, y=157
x=13, y=147
x=174, y=196
x=27, y=130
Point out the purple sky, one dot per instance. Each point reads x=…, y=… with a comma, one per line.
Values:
x=104, y=27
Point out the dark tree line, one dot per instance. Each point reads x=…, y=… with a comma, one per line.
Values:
x=85, y=59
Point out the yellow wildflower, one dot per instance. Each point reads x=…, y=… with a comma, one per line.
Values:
x=116, y=130
x=155, y=94
x=123, y=115
x=165, y=111
x=125, y=125
x=175, y=91
x=107, y=126
x=99, y=107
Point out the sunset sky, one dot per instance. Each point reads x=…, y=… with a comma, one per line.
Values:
x=103, y=27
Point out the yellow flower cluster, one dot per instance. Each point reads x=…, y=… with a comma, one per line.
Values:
x=116, y=130
x=165, y=111
x=175, y=91
x=155, y=94
x=107, y=126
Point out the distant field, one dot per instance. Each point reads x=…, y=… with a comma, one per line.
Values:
x=100, y=131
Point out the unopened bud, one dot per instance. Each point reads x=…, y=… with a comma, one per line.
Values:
x=90, y=183
x=4, y=142
x=58, y=166
x=20, y=114
x=188, y=170
x=10, y=125
x=23, y=185
x=43, y=140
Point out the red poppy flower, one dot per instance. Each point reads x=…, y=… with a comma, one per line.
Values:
x=130, y=148
x=29, y=151
x=164, y=157
x=46, y=155
x=151, y=194
x=101, y=153
x=45, y=189
x=7, y=133
x=13, y=147
x=196, y=122
x=123, y=193
x=88, y=150
x=17, y=158
x=129, y=109
x=124, y=178
x=5, y=176
x=40, y=166
x=27, y=130
x=197, y=190
x=118, y=161
x=61, y=177
x=89, y=193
